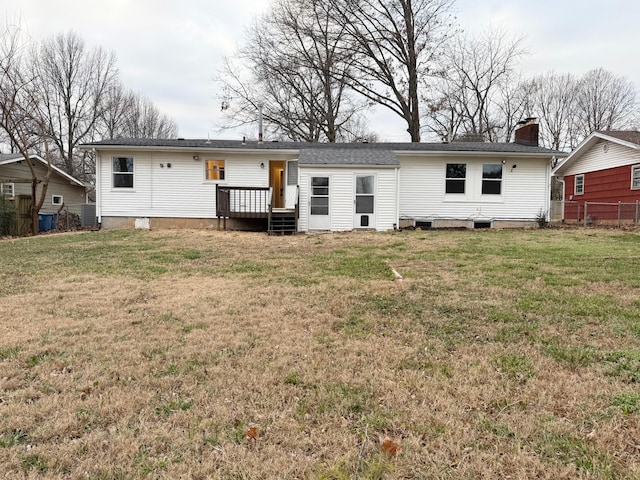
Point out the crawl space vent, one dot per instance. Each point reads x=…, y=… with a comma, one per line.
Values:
x=481, y=224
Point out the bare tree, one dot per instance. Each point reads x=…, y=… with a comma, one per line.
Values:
x=479, y=85
x=291, y=67
x=73, y=81
x=129, y=114
x=395, y=47
x=117, y=101
x=515, y=102
x=21, y=112
x=604, y=101
x=142, y=119
x=445, y=113
x=554, y=98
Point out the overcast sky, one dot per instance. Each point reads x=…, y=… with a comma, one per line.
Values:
x=169, y=50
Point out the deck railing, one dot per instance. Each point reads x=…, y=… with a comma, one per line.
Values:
x=250, y=202
x=242, y=202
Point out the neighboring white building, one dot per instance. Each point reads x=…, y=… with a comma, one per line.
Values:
x=313, y=186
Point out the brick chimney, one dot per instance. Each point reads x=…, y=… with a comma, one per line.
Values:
x=527, y=132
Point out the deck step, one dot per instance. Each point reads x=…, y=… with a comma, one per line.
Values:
x=283, y=223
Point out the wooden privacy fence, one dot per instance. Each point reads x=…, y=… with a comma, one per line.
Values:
x=15, y=215
x=592, y=213
x=23, y=215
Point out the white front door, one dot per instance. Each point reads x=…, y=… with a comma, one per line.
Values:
x=365, y=202
x=319, y=218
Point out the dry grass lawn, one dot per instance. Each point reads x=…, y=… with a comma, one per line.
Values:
x=225, y=355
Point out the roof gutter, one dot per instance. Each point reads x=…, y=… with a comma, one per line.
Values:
x=187, y=149
x=400, y=153
x=475, y=153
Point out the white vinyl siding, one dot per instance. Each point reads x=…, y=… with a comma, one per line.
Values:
x=596, y=158
x=524, y=189
x=342, y=181
x=177, y=192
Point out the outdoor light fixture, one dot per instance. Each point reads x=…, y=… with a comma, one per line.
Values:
x=262, y=165
x=168, y=165
x=196, y=158
x=162, y=165
x=504, y=161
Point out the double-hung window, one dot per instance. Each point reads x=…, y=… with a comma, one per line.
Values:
x=578, y=188
x=635, y=177
x=214, y=170
x=122, y=168
x=491, y=179
x=456, y=176
x=8, y=189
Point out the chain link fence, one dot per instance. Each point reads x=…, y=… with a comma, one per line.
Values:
x=596, y=213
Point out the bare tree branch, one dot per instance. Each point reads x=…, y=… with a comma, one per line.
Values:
x=292, y=65
x=395, y=47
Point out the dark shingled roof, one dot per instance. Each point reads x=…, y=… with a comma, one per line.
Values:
x=9, y=156
x=328, y=148
x=347, y=156
x=631, y=136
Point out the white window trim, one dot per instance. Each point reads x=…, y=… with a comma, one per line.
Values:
x=133, y=175
x=226, y=162
x=8, y=186
x=53, y=202
x=633, y=170
x=575, y=184
x=492, y=196
x=457, y=196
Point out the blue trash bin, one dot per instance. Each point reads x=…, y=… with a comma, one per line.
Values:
x=46, y=221
x=42, y=222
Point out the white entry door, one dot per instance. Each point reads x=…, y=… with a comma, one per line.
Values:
x=319, y=218
x=365, y=202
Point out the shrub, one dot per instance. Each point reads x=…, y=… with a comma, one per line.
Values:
x=7, y=216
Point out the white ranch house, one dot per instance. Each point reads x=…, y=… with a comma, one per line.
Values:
x=305, y=187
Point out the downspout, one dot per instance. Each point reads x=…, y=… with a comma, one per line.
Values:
x=98, y=186
x=397, y=169
x=548, y=189
x=151, y=181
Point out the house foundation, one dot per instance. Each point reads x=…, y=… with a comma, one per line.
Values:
x=165, y=223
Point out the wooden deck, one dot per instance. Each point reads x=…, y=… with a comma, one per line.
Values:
x=255, y=202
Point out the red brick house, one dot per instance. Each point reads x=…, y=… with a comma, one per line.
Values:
x=604, y=171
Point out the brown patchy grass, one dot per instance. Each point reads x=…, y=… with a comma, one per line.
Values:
x=200, y=354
